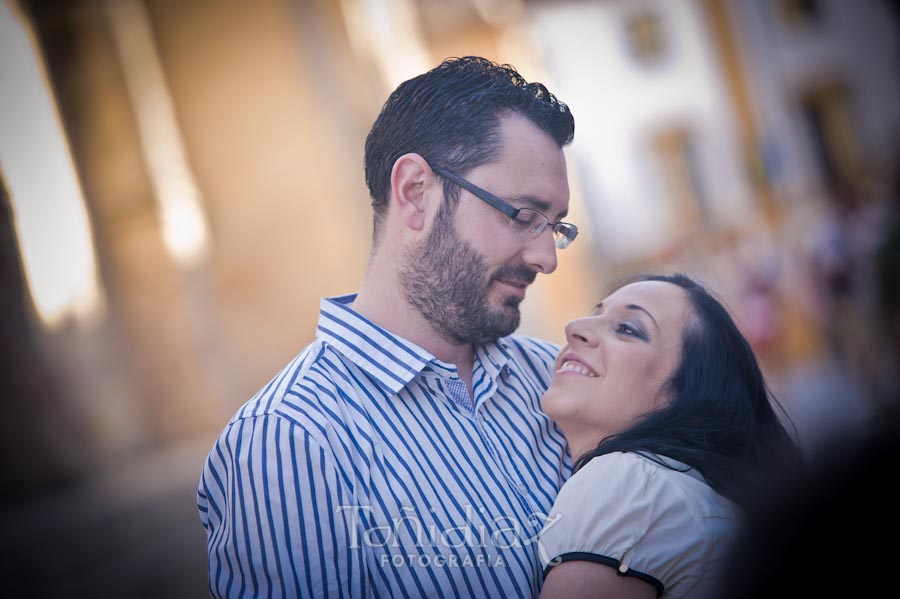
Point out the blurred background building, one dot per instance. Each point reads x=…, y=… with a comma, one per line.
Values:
x=182, y=182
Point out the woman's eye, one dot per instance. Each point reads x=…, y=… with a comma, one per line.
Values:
x=628, y=329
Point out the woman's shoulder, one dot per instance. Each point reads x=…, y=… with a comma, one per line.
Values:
x=666, y=480
x=655, y=514
x=646, y=463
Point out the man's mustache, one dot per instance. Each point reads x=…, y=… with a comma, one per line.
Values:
x=518, y=274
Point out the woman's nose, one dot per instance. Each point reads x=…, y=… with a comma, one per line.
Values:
x=581, y=331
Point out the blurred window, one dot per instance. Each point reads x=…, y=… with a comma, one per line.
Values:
x=799, y=14
x=674, y=153
x=826, y=110
x=646, y=39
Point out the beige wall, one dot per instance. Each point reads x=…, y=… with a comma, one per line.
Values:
x=272, y=108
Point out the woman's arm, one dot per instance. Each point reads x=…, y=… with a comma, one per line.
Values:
x=593, y=581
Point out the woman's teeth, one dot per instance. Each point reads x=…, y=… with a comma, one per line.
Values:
x=576, y=368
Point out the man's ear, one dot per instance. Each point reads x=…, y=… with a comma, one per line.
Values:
x=410, y=179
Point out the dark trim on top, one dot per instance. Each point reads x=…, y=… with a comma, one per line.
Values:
x=584, y=556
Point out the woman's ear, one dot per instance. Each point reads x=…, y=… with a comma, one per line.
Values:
x=665, y=395
x=410, y=178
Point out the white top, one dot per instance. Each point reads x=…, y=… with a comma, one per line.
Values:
x=630, y=513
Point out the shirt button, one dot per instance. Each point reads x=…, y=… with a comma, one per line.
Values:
x=623, y=568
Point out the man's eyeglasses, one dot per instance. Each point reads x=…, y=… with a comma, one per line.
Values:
x=522, y=220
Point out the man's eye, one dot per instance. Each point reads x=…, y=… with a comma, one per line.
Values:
x=526, y=218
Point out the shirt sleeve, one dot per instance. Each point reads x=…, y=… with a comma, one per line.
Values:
x=625, y=511
x=276, y=516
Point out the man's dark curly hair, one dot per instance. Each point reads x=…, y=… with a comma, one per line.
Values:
x=451, y=117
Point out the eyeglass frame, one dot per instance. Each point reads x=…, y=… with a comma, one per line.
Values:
x=508, y=209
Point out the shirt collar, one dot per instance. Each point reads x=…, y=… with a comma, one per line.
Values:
x=388, y=358
x=494, y=358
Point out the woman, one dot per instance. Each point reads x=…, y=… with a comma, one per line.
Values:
x=665, y=411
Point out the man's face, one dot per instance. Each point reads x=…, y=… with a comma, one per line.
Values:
x=470, y=274
x=449, y=282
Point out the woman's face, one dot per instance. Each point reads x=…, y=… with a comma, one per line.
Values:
x=616, y=361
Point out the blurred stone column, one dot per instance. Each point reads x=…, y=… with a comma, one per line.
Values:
x=39, y=434
x=145, y=373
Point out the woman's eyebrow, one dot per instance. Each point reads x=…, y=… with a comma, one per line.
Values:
x=599, y=306
x=644, y=310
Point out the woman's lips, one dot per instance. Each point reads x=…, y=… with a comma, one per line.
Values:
x=573, y=364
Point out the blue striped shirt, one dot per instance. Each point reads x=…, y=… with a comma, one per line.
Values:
x=365, y=469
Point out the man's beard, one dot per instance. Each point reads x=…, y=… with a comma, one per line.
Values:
x=447, y=282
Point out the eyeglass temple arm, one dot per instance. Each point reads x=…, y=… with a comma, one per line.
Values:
x=498, y=203
x=481, y=194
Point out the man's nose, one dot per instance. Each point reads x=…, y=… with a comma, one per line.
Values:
x=540, y=253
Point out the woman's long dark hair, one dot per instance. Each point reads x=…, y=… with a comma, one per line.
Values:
x=720, y=419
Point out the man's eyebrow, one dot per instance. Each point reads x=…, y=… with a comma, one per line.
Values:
x=542, y=206
x=599, y=306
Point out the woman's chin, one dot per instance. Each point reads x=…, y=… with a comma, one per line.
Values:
x=552, y=404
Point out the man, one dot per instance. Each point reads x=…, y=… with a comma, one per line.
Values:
x=404, y=452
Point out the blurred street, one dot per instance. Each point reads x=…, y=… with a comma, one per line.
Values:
x=129, y=531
